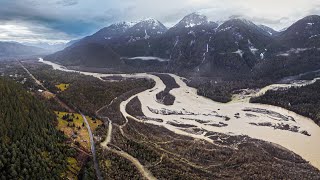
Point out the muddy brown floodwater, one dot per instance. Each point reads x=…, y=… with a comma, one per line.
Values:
x=191, y=111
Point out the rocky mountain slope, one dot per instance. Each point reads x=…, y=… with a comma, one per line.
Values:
x=197, y=46
x=305, y=33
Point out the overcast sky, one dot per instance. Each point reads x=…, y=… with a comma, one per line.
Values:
x=55, y=21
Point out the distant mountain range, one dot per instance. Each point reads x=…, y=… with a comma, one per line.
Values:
x=13, y=49
x=52, y=47
x=197, y=46
x=9, y=50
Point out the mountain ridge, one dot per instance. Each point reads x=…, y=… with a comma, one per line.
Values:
x=15, y=49
x=197, y=46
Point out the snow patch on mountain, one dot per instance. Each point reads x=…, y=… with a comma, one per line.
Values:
x=239, y=52
x=252, y=48
x=192, y=42
x=262, y=55
x=314, y=36
x=192, y=33
x=134, y=39
x=176, y=42
x=191, y=25
x=146, y=35
x=225, y=29
x=238, y=36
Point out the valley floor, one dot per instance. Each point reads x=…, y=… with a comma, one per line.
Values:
x=233, y=128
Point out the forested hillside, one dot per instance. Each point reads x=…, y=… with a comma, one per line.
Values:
x=30, y=146
x=222, y=91
x=304, y=100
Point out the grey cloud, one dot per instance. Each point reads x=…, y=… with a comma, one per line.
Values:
x=68, y=2
x=82, y=17
x=315, y=10
x=24, y=32
x=268, y=20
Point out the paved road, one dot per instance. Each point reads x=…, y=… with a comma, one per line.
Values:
x=93, y=149
x=32, y=76
x=44, y=88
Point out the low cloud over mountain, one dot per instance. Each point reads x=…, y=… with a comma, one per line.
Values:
x=61, y=20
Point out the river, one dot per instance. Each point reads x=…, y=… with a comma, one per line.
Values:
x=235, y=118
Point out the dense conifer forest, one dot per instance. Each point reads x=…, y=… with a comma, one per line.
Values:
x=30, y=145
x=303, y=100
x=222, y=91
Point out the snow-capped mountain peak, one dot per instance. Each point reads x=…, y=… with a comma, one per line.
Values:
x=112, y=31
x=193, y=19
x=125, y=24
x=150, y=23
x=146, y=29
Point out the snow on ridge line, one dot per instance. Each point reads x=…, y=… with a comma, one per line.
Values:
x=146, y=58
x=153, y=21
x=129, y=24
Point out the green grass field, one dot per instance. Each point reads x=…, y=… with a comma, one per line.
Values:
x=78, y=127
